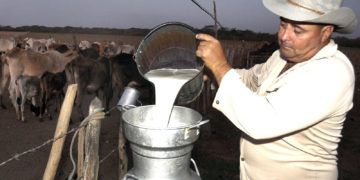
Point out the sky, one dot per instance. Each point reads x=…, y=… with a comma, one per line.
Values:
x=238, y=14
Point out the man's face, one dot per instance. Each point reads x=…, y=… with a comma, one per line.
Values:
x=300, y=41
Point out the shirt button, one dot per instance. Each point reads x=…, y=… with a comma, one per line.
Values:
x=217, y=102
x=242, y=159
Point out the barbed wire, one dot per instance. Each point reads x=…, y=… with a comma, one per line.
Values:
x=109, y=154
x=35, y=149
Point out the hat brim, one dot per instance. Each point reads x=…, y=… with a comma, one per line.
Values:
x=343, y=18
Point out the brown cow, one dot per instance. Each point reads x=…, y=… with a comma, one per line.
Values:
x=31, y=63
x=5, y=46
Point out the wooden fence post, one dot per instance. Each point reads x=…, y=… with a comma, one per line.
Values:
x=123, y=159
x=61, y=129
x=81, y=151
x=92, y=138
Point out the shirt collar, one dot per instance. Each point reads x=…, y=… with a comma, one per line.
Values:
x=329, y=50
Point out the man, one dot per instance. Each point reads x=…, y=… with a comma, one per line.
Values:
x=291, y=108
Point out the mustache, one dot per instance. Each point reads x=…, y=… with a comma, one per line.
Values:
x=285, y=45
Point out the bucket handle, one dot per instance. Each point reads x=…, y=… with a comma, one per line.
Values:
x=192, y=127
x=195, y=166
x=197, y=125
x=132, y=176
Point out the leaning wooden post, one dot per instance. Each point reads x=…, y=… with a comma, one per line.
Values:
x=92, y=138
x=61, y=129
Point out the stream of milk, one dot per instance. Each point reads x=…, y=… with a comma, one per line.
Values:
x=168, y=83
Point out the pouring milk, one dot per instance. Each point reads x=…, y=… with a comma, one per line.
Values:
x=168, y=83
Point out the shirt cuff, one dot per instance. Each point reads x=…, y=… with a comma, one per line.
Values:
x=226, y=82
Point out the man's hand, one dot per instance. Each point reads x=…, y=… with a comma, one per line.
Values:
x=211, y=52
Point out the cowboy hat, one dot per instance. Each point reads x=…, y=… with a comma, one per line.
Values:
x=315, y=11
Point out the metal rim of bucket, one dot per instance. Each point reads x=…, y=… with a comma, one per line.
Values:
x=192, y=125
x=154, y=30
x=167, y=24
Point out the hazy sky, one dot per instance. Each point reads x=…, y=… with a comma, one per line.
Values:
x=239, y=14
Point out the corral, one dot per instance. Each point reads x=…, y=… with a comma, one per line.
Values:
x=216, y=152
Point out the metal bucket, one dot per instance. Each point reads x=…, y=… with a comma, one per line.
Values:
x=161, y=153
x=172, y=45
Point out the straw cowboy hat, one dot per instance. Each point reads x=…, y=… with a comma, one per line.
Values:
x=315, y=11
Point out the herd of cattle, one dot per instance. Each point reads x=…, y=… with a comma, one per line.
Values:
x=38, y=71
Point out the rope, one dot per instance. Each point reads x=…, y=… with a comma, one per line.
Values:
x=96, y=115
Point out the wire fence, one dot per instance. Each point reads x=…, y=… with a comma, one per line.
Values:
x=72, y=130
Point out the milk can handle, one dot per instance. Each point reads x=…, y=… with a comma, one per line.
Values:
x=195, y=166
x=127, y=175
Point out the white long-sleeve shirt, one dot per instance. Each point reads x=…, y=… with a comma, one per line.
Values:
x=293, y=121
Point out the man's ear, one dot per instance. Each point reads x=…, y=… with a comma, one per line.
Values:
x=326, y=32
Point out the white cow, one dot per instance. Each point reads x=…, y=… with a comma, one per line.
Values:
x=114, y=49
x=39, y=45
x=84, y=44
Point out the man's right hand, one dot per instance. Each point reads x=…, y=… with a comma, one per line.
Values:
x=211, y=52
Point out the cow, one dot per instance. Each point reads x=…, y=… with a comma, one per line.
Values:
x=53, y=90
x=5, y=46
x=90, y=52
x=87, y=49
x=30, y=89
x=5, y=76
x=125, y=73
x=93, y=77
x=61, y=48
x=84, y=44
x=114, y=49
x=40, y=45
x=31, y=63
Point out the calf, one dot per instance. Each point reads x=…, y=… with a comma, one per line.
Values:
x=53, y=89
x=30, y=89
